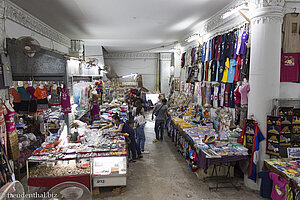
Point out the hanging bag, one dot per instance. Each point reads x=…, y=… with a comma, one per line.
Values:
x=156, y=112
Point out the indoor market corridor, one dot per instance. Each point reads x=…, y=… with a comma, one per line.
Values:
x=163, y=174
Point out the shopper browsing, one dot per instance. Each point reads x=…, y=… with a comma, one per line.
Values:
x=139, y=127
x=161, y=113
x=123, y=127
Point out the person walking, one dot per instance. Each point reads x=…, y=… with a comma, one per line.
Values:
x=123, y=127
x=161, y=113
x=139, y=126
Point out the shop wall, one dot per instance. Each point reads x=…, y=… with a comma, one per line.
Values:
x=289, y=90
x=14, y=30
x=165, y=69
x=145, y=64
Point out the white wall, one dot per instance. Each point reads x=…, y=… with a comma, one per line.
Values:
x=14, y=30
x=165, y=64
x=289, y=90
x=144, y=64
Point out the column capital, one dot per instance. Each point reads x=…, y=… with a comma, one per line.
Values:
x=266, y=11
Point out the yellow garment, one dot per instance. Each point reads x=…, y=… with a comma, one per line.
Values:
x=225, y=74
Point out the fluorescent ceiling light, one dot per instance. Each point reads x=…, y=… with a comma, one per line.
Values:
x=234, y=10
x=130, y=75
x=193, y=37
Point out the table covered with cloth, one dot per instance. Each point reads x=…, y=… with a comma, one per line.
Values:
x=204, y=162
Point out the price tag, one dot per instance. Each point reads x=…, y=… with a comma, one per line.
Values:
x=100, y=181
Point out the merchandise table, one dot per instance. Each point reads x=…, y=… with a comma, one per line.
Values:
x=204, y=161
x=291, y=174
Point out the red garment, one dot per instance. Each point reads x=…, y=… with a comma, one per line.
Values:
x=206, y=71
x=289, y=71
x=237, y=68
x=226, y=95
x=237, y=95
x=41, y=93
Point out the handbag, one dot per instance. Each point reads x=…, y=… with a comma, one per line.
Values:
x=156, y=112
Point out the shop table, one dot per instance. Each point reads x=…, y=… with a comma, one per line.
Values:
x=271, y=168
x=226, y=161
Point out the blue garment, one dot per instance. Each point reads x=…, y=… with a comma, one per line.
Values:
x=217, y=72
x=25, y=95
x=159, y=127
x=203, y=51
x=223, y=47
x=266, y=184
x=210, y=49
x=231, y=71
x=140, y=135
x=258, y=137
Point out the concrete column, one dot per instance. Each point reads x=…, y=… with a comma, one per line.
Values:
x=264, y=78
x=165, y=64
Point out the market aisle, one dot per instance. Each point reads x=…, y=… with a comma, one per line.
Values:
x=164, y=174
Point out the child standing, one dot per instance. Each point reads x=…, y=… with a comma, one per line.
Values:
x=139, y=127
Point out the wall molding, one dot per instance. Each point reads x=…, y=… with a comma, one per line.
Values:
x=13, y=12
x=166, y=56
x=130, y=55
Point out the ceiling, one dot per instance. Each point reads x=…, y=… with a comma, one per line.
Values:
x=123, y=25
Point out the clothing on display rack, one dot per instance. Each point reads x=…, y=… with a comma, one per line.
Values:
x=41, y=94
x=244, y=90
x=291, y=40
x=65, y=101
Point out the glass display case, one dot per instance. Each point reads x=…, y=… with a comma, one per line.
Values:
x=109, y=171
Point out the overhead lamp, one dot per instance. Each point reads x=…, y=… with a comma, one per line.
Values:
x=195, y=36
x=130, y=75
x=243, y=6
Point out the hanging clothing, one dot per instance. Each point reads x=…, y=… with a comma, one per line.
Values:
x=231, y=71
x=16, y=95
x=201, y=70
x=236, y=35
x=10, y=119
x=226, y=69
x=25, y=95
x=210, y=49
x=65, y=101
x=244, y=41
x=289, y=71
x=237, y=69
x=221, y=70
x=218, y=48
x=216, y=93
x=206, y=70
x=291, y=29
x=31, y=91
x=214, y=71
x=237, y=95
x=209, y=71
x=226, y=94
x=244, y=90
x=231, y=95
x=222, y=94
x=266, y=184
x=258, y=137
x=208, y=93
x=203, y=93
x=55, y=99
x=245, y=63
x=217, y=71
x=204, y=51
x=239, y=41
x=41, y=93
x=182, y=60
